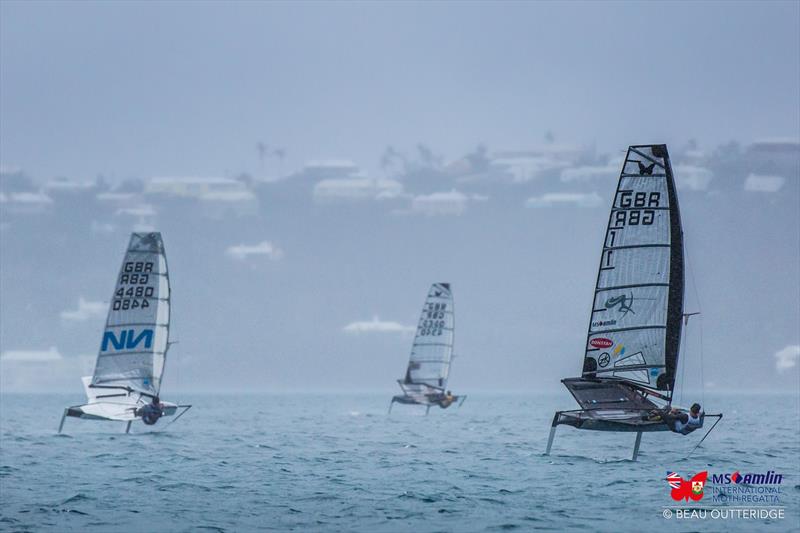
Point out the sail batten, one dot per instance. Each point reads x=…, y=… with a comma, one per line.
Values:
x=615, y=287
x=634, y=327
x=136, y=336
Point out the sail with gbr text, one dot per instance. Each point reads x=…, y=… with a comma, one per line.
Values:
x=136, y=337
x=635, y=327
x=432, y=351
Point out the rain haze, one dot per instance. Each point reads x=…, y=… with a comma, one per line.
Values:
x=314, y=167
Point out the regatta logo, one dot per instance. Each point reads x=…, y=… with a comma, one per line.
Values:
x=770, y=478
x=127, y=340
x=645, y=170
x=686, y=490
x=601, y=342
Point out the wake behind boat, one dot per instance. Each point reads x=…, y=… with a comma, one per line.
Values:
x=126, y=382
x=425, y=382
x=632, y=346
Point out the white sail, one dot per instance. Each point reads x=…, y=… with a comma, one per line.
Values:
x=432, y=351
x=635, y=325
x=135, y=341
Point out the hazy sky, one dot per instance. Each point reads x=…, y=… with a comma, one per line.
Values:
x=139, y=89
x=265, y=292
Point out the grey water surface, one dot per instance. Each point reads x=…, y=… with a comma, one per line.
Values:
x=339, y=463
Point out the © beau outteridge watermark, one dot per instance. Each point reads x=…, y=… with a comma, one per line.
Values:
x=762, y=490
x=725, y=513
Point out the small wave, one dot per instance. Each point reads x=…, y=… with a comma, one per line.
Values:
x=418, y=497
x=77, y=498
x=143, y=479
x=59, y=510
x=176, y=487
x=102, y=455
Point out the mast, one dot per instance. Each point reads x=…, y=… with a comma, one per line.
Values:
x=676, y=280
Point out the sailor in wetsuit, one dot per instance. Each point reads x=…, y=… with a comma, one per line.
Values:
x=680, y=422
x=151, y=412
x=447, y=400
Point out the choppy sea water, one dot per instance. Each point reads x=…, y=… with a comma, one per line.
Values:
x=339, y=463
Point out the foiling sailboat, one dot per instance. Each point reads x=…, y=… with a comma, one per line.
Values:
x=425, y=382
x=127, y=376
x=632, y=346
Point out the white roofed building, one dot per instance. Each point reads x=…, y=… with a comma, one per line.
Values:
x=219, y=196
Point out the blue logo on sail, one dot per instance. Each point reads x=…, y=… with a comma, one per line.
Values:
x=127, y=340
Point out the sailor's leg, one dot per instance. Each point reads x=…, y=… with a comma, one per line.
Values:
x=636, y=445
x=390, y=406
x=128, y=427
x=427, y=410
x=552, y=434
x=63, y=417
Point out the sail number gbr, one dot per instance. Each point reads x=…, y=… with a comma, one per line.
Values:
x=132, y=290
x=432, y=322
x=629, y=216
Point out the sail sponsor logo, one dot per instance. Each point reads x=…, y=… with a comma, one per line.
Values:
x=601, y=342
x=687, y=489
x=128, y=340
x=602, y=323
x=747, y=489
x=623, y=303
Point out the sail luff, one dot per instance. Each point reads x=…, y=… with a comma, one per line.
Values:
x=676, y=280
x=587, y=370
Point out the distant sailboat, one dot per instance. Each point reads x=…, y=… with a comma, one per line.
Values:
x=425, y=382
x=127, y=376
x=635, y=326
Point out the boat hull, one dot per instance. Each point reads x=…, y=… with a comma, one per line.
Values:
x=609, y=421
x=123, y=412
